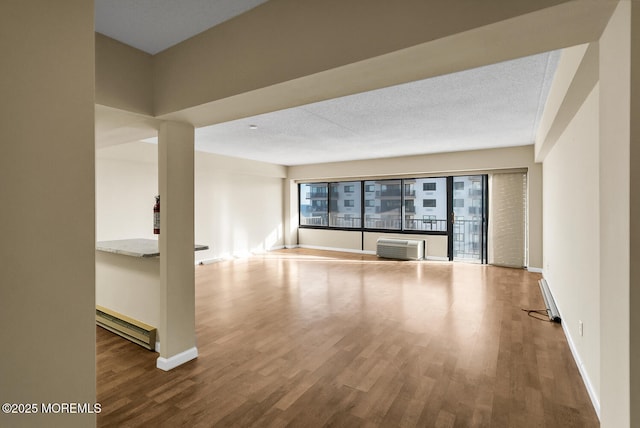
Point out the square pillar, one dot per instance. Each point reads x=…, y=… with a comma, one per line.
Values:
x=47, y=215
x=176, y=243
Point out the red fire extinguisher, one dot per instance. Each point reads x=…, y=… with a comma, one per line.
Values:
x=156, y=216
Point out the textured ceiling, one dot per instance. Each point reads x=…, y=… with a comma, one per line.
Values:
x=487, y=107
x=155, y=25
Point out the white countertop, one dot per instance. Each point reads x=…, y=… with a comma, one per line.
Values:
x=136, y=247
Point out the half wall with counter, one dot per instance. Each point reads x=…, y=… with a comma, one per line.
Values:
x=128, y=280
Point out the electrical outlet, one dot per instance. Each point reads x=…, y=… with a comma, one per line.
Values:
x=581, y=328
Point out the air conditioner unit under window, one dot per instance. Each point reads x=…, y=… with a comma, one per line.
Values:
x=400, y=249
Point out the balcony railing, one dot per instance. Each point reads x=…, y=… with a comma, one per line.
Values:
x=466, y=239
x=383, y=222
x=314, y=195
x=320, y=220
x=337, y=220
x=438, y=225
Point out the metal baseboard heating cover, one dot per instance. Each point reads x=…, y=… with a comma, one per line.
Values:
x=133, y=330
x=552, y=309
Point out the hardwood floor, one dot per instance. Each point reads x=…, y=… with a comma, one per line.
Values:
x=307, y=338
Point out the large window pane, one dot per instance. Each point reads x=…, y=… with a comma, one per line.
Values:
x=314, y=204
x=345, y=204
x=383, y=204
x=425, y=203
x=467, y=207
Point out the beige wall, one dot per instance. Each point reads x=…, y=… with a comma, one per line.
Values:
x=615, y=190
x=634, y=213
x=571, y=235
x=239, y=206
x=126, y=183
x=436, y=244
x=130, y=286
x=123, y=76
x=246, y=53
x=47, y=292
x=471, y=162
x=587, y=169
x=339, y=240
x=356, y=241
x=238, y=203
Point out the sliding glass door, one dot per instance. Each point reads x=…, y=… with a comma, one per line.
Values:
x=468, y=234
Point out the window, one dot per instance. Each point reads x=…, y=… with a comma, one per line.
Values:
x=429, y=186
x=411, y=205
x=345, y=205
x=458, y=203
x=385, y=205
x=409, y=191
x=314, y=204
x=432, y=208
x=458, y=185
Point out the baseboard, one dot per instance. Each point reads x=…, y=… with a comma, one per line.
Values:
x=342, y=250
x=290, y=247
x=534, y=269
x=576, y=357
x=372, y=253
x=581, y=369
x=167, y=364
x=208, y=261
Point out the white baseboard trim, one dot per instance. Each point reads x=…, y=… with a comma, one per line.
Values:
x=437, y=258
x=290, y=247
x=208, y=261
x=157, y=348
x=581, y=369
x=342, y=250
x=534, y=269
x=372, y=253
x=167, y=364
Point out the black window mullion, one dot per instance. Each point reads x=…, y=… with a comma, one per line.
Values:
x=450, y=217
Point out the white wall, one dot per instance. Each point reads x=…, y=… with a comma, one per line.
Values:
x=238, y=203
x=126, y=183
x=239, y=206
x=571, y=234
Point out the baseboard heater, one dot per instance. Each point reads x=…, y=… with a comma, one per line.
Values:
x=133, y=330
x=552, y=309
x=400, y=249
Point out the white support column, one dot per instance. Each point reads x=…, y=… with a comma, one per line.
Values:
x=290, y=190
x=176, y=242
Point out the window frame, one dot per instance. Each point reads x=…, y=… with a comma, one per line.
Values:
x=364, y=189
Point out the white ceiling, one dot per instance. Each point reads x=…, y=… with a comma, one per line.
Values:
x=155, y=25
x=487, y=107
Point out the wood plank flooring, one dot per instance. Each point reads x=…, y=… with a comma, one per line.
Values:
x=306, y=338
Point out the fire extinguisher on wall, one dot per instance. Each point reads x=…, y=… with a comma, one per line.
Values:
x=156, y=216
